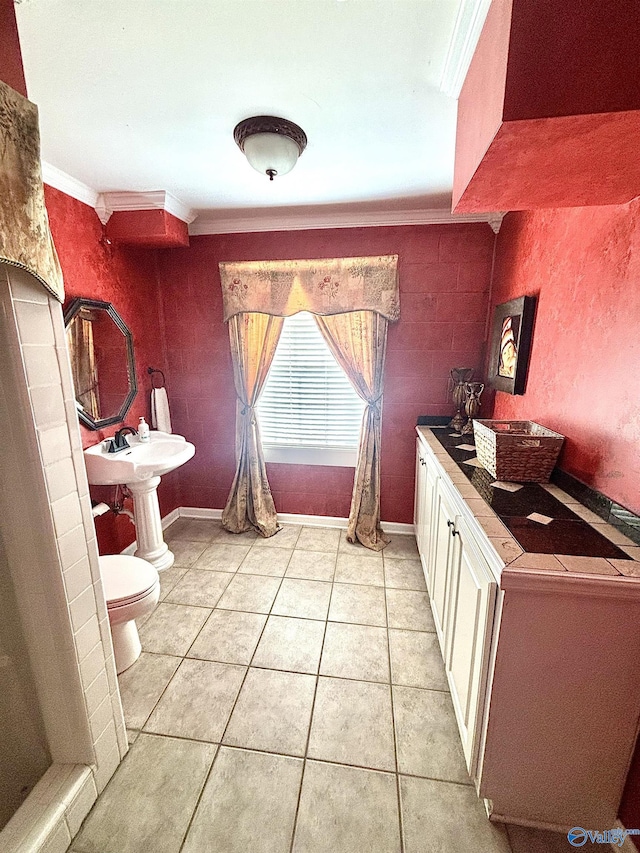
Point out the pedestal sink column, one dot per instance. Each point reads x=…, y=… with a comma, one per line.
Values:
x=151, y=545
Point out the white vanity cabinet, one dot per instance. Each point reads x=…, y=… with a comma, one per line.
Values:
x=471, y=594
x=426, y=478
x=543, y=666
x=462, y=591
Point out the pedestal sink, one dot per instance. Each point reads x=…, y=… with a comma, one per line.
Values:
x=139, y=468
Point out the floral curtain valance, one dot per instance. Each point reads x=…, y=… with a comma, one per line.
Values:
x=322, y=286
x=25, y=239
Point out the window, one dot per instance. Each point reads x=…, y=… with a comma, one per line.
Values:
x=308, y=410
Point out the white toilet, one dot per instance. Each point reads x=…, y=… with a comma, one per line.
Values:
x=132, y=588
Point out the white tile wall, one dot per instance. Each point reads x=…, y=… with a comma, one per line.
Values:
x=77, y=578
x=61, y=479
x=82, y=608
x=41, y=368
x=59, y=840
x=54, y=444
x=50, y=540
x=101, y=717
x=93, y=663
x=81, y=803
x=34, y=321
x=66, y=514
x=47, y=405
x=107, y=756
x=86, y=640
x=72, y=546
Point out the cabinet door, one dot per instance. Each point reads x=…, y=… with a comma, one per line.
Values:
x=426, y=478
x=427, y=519
x=440, y=560
x=472, y=595
x=420, y=495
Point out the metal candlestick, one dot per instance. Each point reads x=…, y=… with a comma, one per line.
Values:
x=459, y=377
x=473, y=390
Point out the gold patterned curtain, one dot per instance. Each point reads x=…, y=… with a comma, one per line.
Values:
x=25, y=239
x=253, y=338
x=358, y=341
x=352, y=299
x=322, y=286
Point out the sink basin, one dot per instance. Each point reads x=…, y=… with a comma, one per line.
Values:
x=141, y=461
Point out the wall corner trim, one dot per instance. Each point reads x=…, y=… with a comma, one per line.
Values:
x=464, y=40
x=106, y=203
x=494, y=221
x=149, y=200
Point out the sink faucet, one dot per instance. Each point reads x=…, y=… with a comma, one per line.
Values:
x=119, y=442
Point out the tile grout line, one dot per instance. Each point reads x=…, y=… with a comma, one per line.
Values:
x=393, y=713
x=309, y=619
x=293, y=828
x=166, y=687
x=306, y=672
x=249, y=666
x=333, y=762
x=182, y=657
x=235, y=702
x=313, y=705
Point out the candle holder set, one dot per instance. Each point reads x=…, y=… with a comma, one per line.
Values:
x=466, y=398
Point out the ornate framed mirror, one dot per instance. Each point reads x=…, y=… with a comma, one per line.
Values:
x=102, y=362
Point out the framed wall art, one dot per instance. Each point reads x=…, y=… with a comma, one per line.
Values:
x=511, y=344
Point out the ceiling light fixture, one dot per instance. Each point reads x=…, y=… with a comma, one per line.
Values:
x=271, y=145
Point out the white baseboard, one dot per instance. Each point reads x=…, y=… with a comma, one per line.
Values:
x=196, y=512
x=170, y=517
x=396, y=527
x=293, y=518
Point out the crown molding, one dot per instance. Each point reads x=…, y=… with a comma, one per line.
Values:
x=209, y=222
x=466, y=32
x=107, y=203
x=60, y=180
x=110, y=202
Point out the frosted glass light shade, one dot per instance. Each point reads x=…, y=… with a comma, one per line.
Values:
x=271, y=151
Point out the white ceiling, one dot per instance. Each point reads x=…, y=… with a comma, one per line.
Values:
x=144, y=95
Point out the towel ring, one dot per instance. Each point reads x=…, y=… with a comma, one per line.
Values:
x=151, y=371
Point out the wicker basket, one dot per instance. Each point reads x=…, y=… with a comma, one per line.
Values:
x=517, y=451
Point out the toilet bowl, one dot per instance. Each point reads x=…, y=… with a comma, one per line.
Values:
x=131, y=588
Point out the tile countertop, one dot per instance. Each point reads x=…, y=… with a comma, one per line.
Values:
x=533, y=527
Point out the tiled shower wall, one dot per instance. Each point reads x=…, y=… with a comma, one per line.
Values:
x=47, y=527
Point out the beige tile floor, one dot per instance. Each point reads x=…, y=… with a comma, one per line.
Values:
x=291, y=697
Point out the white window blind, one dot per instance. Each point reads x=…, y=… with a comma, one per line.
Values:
x=308, y=410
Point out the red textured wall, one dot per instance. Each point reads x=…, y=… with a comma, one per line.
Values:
x=584, y=265
x=549, y=113
x=482, y=96
x=11, y=70
x=155, y=228
x=572, y=58
x=126, y=277
x=444, y=279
